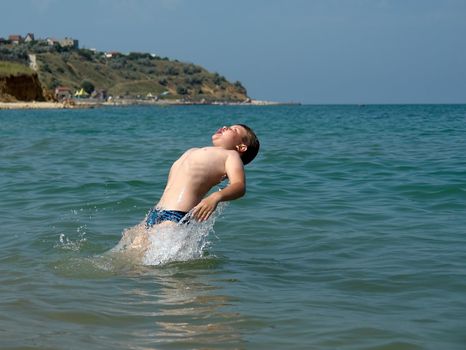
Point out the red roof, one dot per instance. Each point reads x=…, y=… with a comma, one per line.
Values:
x=15, y=37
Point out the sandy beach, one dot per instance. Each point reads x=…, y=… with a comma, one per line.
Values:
x=32, y=105
x=92, y=104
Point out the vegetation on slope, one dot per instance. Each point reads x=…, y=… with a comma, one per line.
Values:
x=14, y=69
x=134, y=75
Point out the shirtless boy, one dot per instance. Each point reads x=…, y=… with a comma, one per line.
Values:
x=197, y=171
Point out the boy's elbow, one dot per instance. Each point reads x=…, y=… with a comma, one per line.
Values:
x=242, y=190
x=235, y=190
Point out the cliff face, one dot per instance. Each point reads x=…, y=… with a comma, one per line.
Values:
x=21, y=87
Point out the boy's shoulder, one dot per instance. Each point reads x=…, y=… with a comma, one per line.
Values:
x=214, y=149
x=214, y=152
x=222, y=151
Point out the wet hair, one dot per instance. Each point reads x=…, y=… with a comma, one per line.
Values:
x=252, y=142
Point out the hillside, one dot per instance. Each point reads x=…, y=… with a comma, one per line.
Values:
x=134, y=75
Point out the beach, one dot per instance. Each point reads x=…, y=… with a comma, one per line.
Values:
x=31, y=105
x=128, y=102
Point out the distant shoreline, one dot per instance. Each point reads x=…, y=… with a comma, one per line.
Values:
x=121, y=103
x=31, y=105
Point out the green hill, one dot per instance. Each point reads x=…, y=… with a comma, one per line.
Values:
x=13, y=69
x=134, y=75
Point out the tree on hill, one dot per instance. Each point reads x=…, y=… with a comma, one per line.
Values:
x=87, y=86
x=181, y=90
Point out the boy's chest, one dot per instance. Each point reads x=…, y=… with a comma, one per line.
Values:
x=208, y=165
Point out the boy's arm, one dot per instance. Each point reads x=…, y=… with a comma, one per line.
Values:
x=234, y=169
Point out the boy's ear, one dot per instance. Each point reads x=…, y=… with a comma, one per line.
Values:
x=241, y=148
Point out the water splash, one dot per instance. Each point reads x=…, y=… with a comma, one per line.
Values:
x=164, y=244
x=66, y=243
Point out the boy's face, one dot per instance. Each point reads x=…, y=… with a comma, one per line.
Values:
x=230, y=137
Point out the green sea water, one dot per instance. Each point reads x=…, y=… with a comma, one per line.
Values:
x=352, y=234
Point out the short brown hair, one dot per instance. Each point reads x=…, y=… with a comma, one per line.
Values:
x=252, y=142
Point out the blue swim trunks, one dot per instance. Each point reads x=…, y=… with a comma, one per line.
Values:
x=156, y=216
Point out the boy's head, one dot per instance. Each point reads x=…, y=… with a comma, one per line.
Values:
x=239, y=137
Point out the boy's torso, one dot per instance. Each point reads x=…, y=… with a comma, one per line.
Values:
x=192, y=176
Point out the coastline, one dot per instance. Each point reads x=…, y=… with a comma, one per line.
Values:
x=74, y=104
x=33, y=105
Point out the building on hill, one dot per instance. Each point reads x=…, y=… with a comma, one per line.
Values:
x=112, y=54
x=69, y=42
x=29, y=37
x=63, y=93
x=15, y=39
x=52, y=41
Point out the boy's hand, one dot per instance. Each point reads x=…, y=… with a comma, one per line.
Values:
x=205, y=208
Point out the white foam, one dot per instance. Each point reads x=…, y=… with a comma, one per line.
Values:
x=164, y=244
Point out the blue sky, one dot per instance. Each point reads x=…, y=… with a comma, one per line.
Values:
x=314, y=51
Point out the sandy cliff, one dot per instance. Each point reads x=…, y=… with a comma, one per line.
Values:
x=21, y=87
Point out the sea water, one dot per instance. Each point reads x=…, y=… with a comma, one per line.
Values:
x=351, y=234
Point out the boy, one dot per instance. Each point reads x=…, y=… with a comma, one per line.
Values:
x=196, y=172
